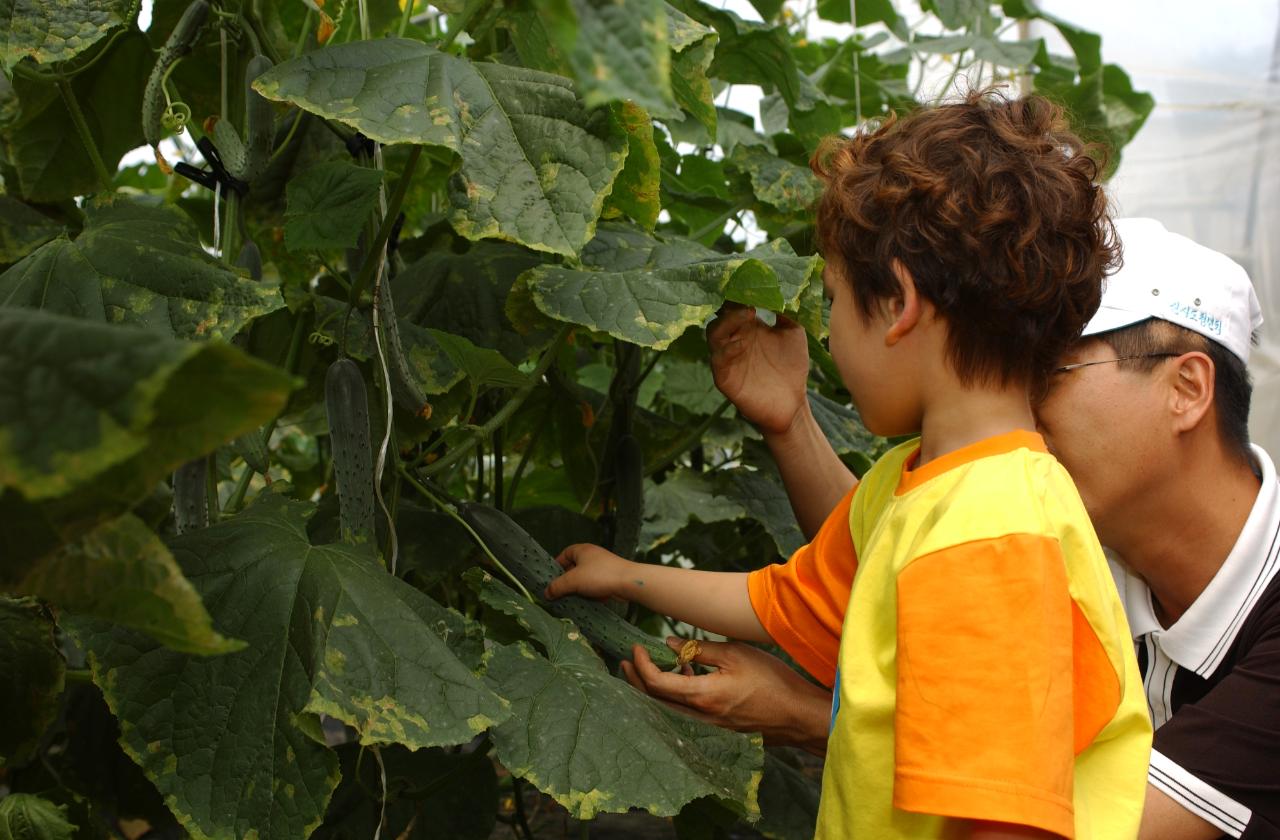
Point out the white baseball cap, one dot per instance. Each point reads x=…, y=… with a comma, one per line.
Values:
x=1171, y=277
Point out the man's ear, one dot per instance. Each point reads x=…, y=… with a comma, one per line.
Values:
x=1191, y=377
x=905, y=310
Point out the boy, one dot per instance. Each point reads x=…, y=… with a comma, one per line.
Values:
x=986, y=684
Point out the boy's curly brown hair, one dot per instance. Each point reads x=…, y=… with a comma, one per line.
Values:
x=992, y=204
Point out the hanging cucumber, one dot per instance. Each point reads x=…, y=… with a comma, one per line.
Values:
x=404, y=388
x=347, y=406
x=628, y=490
x=250, y=259
x=191, y=495
x=535, y=568
x=156, y=109
x=259, y=122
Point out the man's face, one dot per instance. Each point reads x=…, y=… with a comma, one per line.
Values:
x=1108, y=427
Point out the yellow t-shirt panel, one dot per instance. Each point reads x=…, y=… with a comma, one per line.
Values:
x=985, y=666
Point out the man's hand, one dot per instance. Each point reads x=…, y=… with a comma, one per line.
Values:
x=762, y=370
x=590, y=571
x=750, y=691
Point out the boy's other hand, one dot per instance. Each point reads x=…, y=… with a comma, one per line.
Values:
x=750, y=691
x=762, y=370
x=590, y=571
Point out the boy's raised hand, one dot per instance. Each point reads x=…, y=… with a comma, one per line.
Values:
x=590, y=571
x=762, y=370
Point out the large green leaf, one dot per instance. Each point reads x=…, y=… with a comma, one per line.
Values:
x=536, y=164
x=746, y=492
x=690, y=385
x=591, y=741
x=843, y=427
x=34, y=671
x=775, y=181
x=121, y=572
x=465, y=294
x=1103, y=104
x=683, y=496
x=92, y=416
x=24, y=816
x=432, y=368
x=637, y=189
x=39, y=139
x=764, y=497
x=614, y=50
x=22, y=229
x=54, y=31
x=141, y=266
x=694, y=45
x=788, y=798
x=228, y=740
x=458, y=790
x=754, y=53
x=674, y=285
x=329, y=205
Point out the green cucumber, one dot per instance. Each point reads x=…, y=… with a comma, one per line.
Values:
x=404, y=387
x=181, y=40
x=259, y=122
x=628, y=492
x=346, y=402
x=535, y=568
x=191, y=495
x=230, y=147
x=250, y=259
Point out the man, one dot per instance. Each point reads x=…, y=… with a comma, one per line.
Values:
x=1148, y=412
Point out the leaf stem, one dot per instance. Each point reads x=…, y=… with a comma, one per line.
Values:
x=469, y=13
x=372, y=261
x=82, y=128
x=503, y=414
x=717, y=223
x=405, y=14
x=517, y=796
x=449, y=509
x=687, y=441
x=524, y=457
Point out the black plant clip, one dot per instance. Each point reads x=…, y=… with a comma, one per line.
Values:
x=215, y=175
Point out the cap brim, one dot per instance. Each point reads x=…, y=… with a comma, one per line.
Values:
x=1109, y=318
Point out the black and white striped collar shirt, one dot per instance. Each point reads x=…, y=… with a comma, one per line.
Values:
x=1212, y=680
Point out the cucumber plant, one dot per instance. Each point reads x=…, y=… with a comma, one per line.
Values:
x=396, y=266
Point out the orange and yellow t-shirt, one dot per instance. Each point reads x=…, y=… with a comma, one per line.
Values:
x=981, y=661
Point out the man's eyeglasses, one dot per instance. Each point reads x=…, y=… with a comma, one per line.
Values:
x=1066, y=368
x=1042, y=391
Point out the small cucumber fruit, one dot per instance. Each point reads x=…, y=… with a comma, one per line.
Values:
x=190, y=495
x=181, y=40
x=259, y=122
x=346, y=402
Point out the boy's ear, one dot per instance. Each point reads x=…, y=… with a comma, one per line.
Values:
x=904, y=309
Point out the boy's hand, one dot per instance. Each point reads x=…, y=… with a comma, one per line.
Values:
x=762, y=370
x=590, y=571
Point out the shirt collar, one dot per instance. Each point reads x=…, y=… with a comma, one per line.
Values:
x=913, y=476
x=1201, y=637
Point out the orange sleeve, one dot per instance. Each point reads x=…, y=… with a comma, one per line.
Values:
x=984, y=722
x=801, y=603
